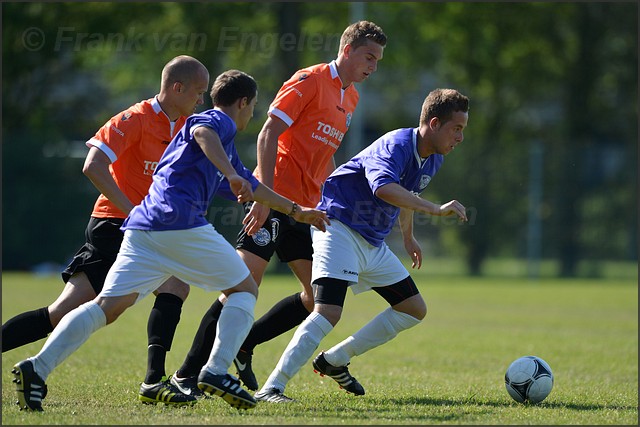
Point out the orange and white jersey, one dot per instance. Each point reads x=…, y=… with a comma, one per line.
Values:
x=134, y=140
x=318, y=112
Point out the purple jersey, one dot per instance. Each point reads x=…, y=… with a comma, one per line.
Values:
x=348, y=193
x=185, y=180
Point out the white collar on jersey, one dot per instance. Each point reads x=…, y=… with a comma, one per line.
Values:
x=334, y=74
x=158, y=109
x=156, y=105
x=334, y=69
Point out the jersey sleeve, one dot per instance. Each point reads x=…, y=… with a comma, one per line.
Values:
x=197, y=120
x=226, y=130
x=294, y=95
x=118, y=134
x=385, y=164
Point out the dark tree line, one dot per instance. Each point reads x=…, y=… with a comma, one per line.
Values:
x=561, y=77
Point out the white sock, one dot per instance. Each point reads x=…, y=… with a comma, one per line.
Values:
x=382, y=328
x=234, y=324
x=300, y=349
x=72, y=331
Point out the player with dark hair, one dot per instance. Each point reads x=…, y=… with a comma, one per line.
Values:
x=167, y=234
x=121, y=159
x=364, y=198
x=306, y=124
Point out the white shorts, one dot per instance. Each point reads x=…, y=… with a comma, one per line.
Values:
x=342, y=253
x=198, y=256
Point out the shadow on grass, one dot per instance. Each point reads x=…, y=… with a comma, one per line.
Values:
x=426, y=410
x=427, y=401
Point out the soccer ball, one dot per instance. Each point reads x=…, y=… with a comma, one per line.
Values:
x=528, y=379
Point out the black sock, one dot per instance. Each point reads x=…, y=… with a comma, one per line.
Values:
x=26, y=328
x=161, y=327
x=202, y=342
x=284, y=316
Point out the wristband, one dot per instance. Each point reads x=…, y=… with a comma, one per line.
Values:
x=294, y=209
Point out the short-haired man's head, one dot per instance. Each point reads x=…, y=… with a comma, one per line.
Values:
x=231, y=86
x=359, y=32
x=442, y=103
x=182, y=69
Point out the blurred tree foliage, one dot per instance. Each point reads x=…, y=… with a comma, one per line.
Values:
x=562, y=75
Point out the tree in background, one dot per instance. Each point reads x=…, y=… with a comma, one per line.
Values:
x=560, y=74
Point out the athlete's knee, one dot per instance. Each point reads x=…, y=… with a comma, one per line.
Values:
x=419, y=308
x=307, y=300
x=329, y=295
x=414, y=306
x=113, y=307
x=175, y=287
x=77, y=291
x=332, y=313
x=246, y=285
x=56, y=313
x=303, y=273
x=404, y=297
x=254, y=263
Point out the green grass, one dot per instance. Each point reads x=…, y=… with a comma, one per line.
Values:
x=447, y=370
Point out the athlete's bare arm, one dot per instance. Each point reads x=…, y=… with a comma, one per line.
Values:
x=308, y=215
x=267, y=152
x=96, y=168
x=411, y=245
x=399, y=196
x=268, y=149
x=210, y=143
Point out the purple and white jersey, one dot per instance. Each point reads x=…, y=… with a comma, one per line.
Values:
x=185, y=180
x=348, y=193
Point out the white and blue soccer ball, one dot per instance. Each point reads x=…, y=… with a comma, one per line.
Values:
x=529, y=379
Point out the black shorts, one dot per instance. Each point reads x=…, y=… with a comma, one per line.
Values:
x=281, y=234
x=98, y=254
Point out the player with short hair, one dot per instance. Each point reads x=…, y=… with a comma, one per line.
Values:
x=306, y=124
x=167, y=234
x=364, y=198
x=121, y=159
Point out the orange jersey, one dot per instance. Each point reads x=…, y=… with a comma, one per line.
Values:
x=318, y=113
x=134, y=140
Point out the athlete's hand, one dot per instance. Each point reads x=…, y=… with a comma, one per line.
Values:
x=415, y=252
x=254, y=219
x=454, y=207
x=241, y=188
x=311, y=216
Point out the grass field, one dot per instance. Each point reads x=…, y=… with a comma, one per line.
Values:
x=448, y=370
